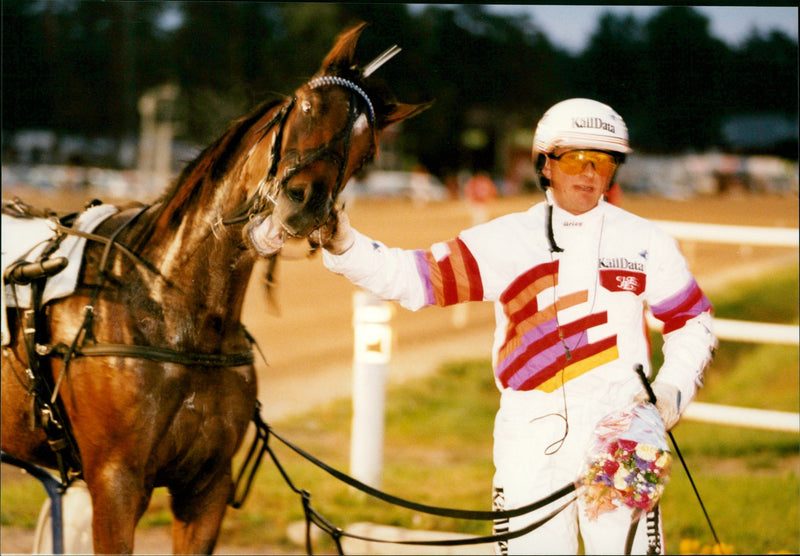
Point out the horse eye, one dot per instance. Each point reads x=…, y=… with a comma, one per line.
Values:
x=305, y=106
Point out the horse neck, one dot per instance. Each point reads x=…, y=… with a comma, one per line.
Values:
x=204, y=271
x=191, y=245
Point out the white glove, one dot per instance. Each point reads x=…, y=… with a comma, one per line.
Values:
x=668, y=402
x=336, y=235
x=266, y=237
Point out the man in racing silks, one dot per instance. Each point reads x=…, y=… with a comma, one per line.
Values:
x=569, y=278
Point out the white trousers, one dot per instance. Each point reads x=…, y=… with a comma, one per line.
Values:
x=537, y=451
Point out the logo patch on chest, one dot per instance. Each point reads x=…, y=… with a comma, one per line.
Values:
x=620, y=280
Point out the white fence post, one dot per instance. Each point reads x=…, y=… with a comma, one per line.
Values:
x=373, y=346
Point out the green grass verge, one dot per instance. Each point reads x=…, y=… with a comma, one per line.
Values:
x=438, y=448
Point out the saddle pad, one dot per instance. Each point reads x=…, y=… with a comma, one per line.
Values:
x=26, y=238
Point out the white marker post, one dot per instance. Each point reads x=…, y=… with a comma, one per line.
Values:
x=373, y=347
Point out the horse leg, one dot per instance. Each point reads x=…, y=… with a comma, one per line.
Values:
x=198, y=515
x=118, y=502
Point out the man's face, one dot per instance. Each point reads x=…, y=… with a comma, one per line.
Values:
x=579, y=178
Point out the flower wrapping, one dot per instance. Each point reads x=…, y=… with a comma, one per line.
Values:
x=628, y=463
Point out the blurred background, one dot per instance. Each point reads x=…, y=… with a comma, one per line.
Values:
x=112, y=99
x=710, y=95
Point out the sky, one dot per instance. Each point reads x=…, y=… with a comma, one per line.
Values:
x=569, y=26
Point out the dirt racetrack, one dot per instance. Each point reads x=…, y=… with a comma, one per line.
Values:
x=310, y=345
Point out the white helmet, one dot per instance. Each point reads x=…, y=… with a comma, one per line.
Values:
x=581, y=123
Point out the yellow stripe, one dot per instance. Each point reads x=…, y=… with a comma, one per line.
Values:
x=578, y=368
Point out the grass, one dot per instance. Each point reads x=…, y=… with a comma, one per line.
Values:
x=21, y=502
x=438, y=448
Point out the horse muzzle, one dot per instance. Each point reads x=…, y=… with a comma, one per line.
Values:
x=264, y=234
x=299, y=218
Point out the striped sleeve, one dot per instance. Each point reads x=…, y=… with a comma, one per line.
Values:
x=684, y=305
x=450, y=274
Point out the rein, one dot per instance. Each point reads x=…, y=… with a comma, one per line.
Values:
x=261, y=446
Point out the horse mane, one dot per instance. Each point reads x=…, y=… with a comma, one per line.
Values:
x=212, y=163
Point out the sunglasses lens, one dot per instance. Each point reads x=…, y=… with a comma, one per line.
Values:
x=574, y=162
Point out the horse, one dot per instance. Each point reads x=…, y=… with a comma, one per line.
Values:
x=147, y=359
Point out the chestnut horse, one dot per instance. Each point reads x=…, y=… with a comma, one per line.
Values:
x=158, y=385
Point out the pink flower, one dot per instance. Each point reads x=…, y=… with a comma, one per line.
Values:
x=643, y=502
x=628, y=445
x=610, y=467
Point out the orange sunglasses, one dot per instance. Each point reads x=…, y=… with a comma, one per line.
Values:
x=573, y=162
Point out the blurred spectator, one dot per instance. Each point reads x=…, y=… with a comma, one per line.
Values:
x=479, y=192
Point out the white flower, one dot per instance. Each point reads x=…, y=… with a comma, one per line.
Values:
x=663, y=460
x=646, y=452
x=620, y=478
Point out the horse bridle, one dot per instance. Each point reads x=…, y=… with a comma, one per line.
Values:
x=265, y=197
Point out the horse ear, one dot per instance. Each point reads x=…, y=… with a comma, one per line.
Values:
x=402, y=112
x=341, y=55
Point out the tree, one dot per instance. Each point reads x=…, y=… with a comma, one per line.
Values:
x=79, y=67
x=609, y=69
x=774, y=55
x=680, y=80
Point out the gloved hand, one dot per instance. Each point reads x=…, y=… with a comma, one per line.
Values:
x=266, y=237
x=336, y=235
x=668, y=402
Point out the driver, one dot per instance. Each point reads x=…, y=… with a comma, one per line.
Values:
x=569, y=278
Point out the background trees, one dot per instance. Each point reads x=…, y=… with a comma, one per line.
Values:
x=80, y=67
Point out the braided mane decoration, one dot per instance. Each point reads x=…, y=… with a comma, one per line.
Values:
x=333, y=80
x=368, y=70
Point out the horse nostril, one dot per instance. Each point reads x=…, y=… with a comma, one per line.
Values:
x=296, y=194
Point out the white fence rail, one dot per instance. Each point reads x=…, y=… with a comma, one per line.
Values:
x=746, y=331
x=740, y=331
x=740, y=235
x=743, y=417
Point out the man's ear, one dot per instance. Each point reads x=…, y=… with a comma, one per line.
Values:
x=546, y=172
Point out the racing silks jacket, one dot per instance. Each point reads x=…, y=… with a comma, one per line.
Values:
x=579, y=310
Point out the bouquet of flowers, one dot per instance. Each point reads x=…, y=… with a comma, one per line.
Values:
x=628, y=463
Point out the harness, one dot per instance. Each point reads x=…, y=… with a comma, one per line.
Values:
x=47, y=409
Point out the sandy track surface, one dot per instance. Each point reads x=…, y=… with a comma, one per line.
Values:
x=309, y=345
x=312, y=340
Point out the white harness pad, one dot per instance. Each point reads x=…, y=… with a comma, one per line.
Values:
x=26, y=238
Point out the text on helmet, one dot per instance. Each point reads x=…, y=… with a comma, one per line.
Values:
x=592, y=123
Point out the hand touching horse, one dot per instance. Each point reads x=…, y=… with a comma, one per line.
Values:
x=157, y=385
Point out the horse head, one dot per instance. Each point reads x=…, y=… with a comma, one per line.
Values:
x=330, y=130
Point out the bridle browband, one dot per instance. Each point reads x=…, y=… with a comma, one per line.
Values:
x=342, y=82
